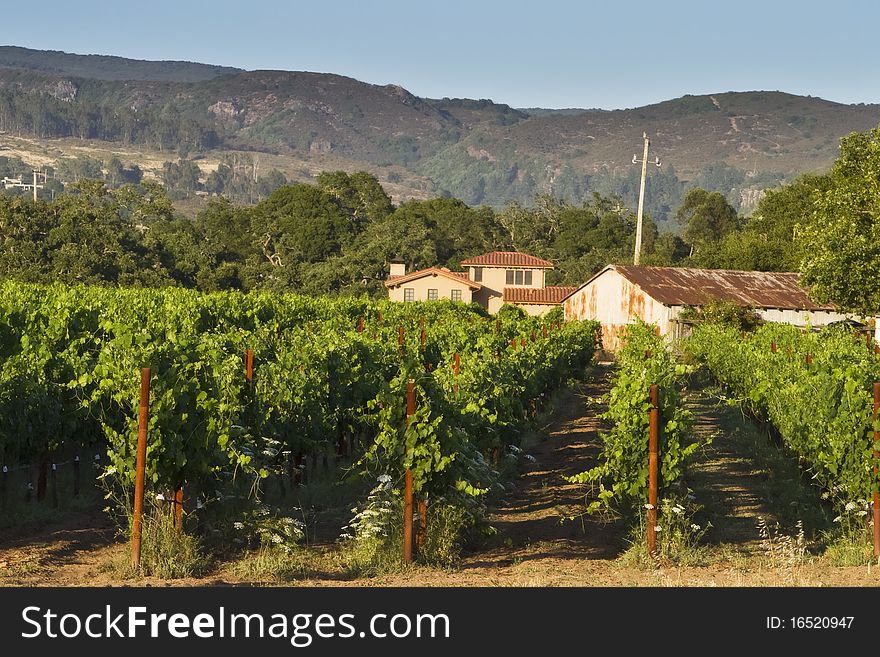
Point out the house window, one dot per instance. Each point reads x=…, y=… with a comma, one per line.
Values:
x=478, y=274
x=528, y=278
x=432, y=295
x=409, y=294
x=455, y=295
x=508, y=277
x=519, y=278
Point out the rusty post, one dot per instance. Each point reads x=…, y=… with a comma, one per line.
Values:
x=178, y=508
x=422, y=339
x=653, y=439
x=876, y=509
x=76, y=476
x=423, y=525
x=408, y=482
x=421, y=322
x=533, y=336
x=400, y=339
x=513, y=343
x=808, y=359
x=498, y=326
x=544, y=331
x=647, y=354
x=523, y=343
x=249, y=366
x=140, y=467
x=379, y=316
x=773, y=346
x=361, y=324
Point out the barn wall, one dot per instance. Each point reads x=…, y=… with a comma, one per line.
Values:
x=814, y=318
x=615, y=302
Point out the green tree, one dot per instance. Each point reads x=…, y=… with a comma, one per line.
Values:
x=299, y=224
x=360, y=193
x=841, y=239
x=706, y=218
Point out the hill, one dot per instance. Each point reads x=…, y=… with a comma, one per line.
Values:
x=107, y=67
x=477, y=150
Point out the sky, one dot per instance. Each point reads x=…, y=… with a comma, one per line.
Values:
x=555, y=54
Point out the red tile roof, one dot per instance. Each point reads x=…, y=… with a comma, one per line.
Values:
x=508, y=259
x=552, y=295
x=461, y=277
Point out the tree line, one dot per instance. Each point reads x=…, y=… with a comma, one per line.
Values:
x=334, y=236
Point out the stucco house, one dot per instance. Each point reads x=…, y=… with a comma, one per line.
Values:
x=491, y=279
x=658, y=295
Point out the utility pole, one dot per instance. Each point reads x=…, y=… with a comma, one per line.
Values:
x=644, y=162
x=36, y=186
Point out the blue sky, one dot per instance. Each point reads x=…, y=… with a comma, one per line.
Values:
x=546, y=54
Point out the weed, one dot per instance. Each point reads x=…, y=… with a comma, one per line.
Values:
x=784, y=553
x=677, y=535
x=850, y=543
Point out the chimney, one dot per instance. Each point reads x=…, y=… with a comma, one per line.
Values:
x=398, y=267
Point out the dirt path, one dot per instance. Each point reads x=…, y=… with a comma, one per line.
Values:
x=741, y=478
x=534, y=521
x=71, y=551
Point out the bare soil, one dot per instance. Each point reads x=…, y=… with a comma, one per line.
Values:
x=739, y=478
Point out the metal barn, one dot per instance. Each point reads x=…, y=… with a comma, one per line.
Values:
x=620, y=293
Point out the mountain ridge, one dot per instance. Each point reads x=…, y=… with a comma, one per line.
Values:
x=475, y=149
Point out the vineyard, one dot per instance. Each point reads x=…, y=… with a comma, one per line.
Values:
x=251, y=389
x=426, y=426
x=815, y=389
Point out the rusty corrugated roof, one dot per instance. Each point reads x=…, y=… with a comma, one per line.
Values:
x=551, y=294
x=461, y=277
x=680, y=286
x=508, y=259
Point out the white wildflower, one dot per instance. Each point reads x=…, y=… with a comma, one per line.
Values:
x=677, y=509
x=695, y=527
x=238, y=525
x=658, y=528
x=277, y=539
x=160, y=497
x=649, y=506
x=850, y=506
x=837, y=519
x=384, y=478
x=862, y=513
